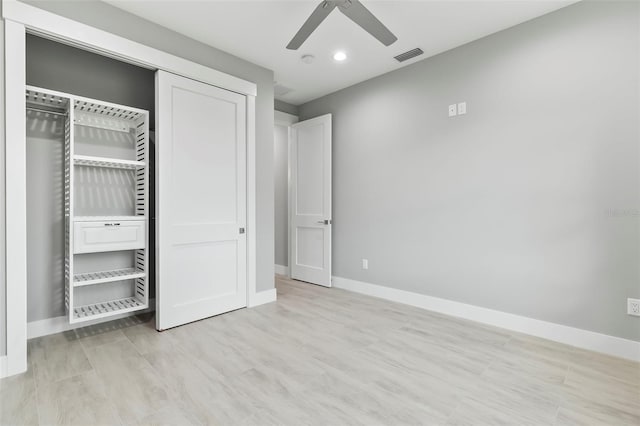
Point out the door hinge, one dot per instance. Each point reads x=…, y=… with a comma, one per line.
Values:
x=242, y=230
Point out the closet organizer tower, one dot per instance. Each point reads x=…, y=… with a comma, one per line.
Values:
x=106, y=185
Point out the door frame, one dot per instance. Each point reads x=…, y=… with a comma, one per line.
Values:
x=20, y=19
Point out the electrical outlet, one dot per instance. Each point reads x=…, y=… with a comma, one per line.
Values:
x=633, y=307
x=453, y=110
x=462, y=108
x=365, y=264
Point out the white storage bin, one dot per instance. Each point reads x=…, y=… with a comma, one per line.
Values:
x=108, y=235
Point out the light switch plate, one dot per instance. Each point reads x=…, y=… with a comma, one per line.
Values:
x=453, y=111
x=462, y=108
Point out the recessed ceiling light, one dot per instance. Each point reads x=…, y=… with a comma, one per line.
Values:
x=340, y=56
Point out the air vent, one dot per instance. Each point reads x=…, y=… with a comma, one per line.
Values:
x=280, y=90
x=408, y=55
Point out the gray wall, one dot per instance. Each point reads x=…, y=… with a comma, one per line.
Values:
x=281, y=191
x=55, y=66
x=529, y=203
x=67, y=69
x=285, y=107
x=114, y=20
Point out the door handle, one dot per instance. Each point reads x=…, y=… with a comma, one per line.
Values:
x=325, y=222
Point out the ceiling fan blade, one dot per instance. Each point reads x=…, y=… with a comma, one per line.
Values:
x=319, y=14
x=359, y=14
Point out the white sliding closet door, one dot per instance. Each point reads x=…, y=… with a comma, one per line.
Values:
x=201, y=200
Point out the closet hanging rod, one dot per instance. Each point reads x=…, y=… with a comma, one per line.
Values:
x=46, y=111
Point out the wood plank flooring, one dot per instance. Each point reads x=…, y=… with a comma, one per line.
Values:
x=317, y=357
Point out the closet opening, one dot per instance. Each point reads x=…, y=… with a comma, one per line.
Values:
x=112, y=185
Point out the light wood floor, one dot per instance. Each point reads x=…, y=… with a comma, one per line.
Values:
x=317, y=356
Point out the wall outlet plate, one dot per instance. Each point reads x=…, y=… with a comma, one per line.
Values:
x=462, y=108
x=633, y=307
x=365, y=264
x=453, y=110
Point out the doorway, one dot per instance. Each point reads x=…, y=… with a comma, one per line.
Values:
x=302, y=159
x=282, y=123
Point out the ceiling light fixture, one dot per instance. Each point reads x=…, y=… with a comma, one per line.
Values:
x=340, y=56
x=307, y=59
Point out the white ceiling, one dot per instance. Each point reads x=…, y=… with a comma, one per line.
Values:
x=258, y=31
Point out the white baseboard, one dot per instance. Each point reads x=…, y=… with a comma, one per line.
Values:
x=282, y=270
x=60, y=324
x=585, y=339
x=3, y=366
x=263, y=297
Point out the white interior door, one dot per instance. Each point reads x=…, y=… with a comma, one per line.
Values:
x=201, y=200
x=310, y=223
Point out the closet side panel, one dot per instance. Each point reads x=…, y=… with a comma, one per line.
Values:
x=3, y=302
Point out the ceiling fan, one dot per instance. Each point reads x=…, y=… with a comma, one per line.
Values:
x=354, y=10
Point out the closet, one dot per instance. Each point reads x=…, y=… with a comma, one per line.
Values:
x=90, y=203
x=63, y=271
x=92, y=189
